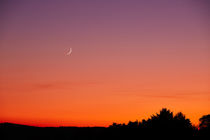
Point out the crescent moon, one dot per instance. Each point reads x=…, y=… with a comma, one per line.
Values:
x=69, y=52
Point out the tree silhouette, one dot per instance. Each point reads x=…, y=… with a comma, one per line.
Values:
x=181, y=121
x=133, y=124
x=204, y=126
x=205, y=122
x=161, y=120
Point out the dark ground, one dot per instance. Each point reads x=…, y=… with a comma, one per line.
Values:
x=21, y=132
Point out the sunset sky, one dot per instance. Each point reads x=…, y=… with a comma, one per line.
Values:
x=130, y=58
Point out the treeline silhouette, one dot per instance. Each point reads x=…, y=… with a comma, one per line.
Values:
x=161, y=125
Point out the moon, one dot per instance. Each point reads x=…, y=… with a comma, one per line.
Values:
x=69, y=52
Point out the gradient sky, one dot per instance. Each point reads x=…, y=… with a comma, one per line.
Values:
x=130, y=58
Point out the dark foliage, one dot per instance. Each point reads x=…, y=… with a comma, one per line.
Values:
x=205, y=126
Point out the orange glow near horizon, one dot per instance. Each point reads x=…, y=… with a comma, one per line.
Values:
x=128, y=61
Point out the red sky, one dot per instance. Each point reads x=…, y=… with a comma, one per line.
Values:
x=129, y=59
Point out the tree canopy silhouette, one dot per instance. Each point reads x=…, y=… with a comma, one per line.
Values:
x=162, y=124
x=204, y=126
x=163, y=119
x=205, y=122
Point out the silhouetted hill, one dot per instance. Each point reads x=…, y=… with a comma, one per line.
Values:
x=13, y=125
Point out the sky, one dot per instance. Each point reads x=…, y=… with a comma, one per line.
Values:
x=129, y=59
